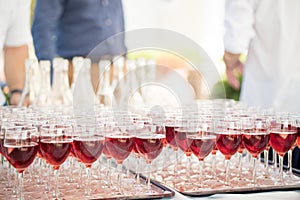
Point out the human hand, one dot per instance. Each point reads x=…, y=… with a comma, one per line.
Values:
x=234, y=69
x=16, y=97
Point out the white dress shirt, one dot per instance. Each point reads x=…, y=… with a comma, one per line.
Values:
x=270, y=31
x=14, y=26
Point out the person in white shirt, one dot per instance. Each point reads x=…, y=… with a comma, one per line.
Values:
x=14, y=38
x=270, y=31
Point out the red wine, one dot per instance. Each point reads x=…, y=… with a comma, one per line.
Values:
x=119, y=146
x=228, y=143
x=87, y=150
x=298, y=137
x=255, y=142
x=162, y=132
x=20, y=157
x=282, y=141
x=201, y=146
x=181, y=141
x=106, y=152
x=135, y=151
x=241, y=148
x=55, y=152
x=1, y=145
x=170, y=137
x=214, y=151
x=149, y=146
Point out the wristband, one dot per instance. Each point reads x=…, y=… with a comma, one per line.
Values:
x=15, y=91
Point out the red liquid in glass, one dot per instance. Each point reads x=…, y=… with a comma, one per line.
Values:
x=170, y=137
x=119, y=146
x=135, y=151
x=164, y=141
x=228, y=143
x=1, y=145
x=149, y=146
x=182, y=142
x=201, y=146
x=215, y=149
x=87, y=150
x=21, y=157
x=255, y=143
x=298, y=137
x=282, y=141
x=55, y=152
x=106, y=152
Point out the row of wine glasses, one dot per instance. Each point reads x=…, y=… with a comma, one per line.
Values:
x=56, y=140
x=44, y=139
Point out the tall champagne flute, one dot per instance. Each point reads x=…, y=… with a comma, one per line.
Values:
x=20, y=147
x=149, y=144
x=55, y=145
x=282, y=137
x=256, y=139
x=228, y=141
x=88, y=145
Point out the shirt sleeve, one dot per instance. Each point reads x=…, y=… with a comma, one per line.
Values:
x=18, y=32
x=46, y=18
x=239, y=21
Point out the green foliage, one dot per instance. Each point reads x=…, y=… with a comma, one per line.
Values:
x=230, y=92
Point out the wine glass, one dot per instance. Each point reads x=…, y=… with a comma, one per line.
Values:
x=228, y=141
x=55, y=145
x=20, y=147
x=149, y=145
x=139, y=123
x=119, y=143
x=201, y=143
x=283, y=135
x=87, y=145
x=256, y=139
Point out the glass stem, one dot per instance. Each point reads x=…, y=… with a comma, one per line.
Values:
x=254, y=170
x=290, y=164
x=119, y=169
x=188, y=169
x=227, y=172
x=281, y=169
x=149, y=177
x=266, y=162
x=213, y=167
x=108, y=172
x=176, y=164
x=88, y=189
x=56, y=192
x=20, y=177
x=201, y=173
x=137, y=170
x=240, y=165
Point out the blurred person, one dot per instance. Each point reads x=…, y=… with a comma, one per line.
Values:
x=63, y=28
x=14, y=38
x=269, y=30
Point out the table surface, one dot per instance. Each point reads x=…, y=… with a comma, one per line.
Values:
x=290, y=195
